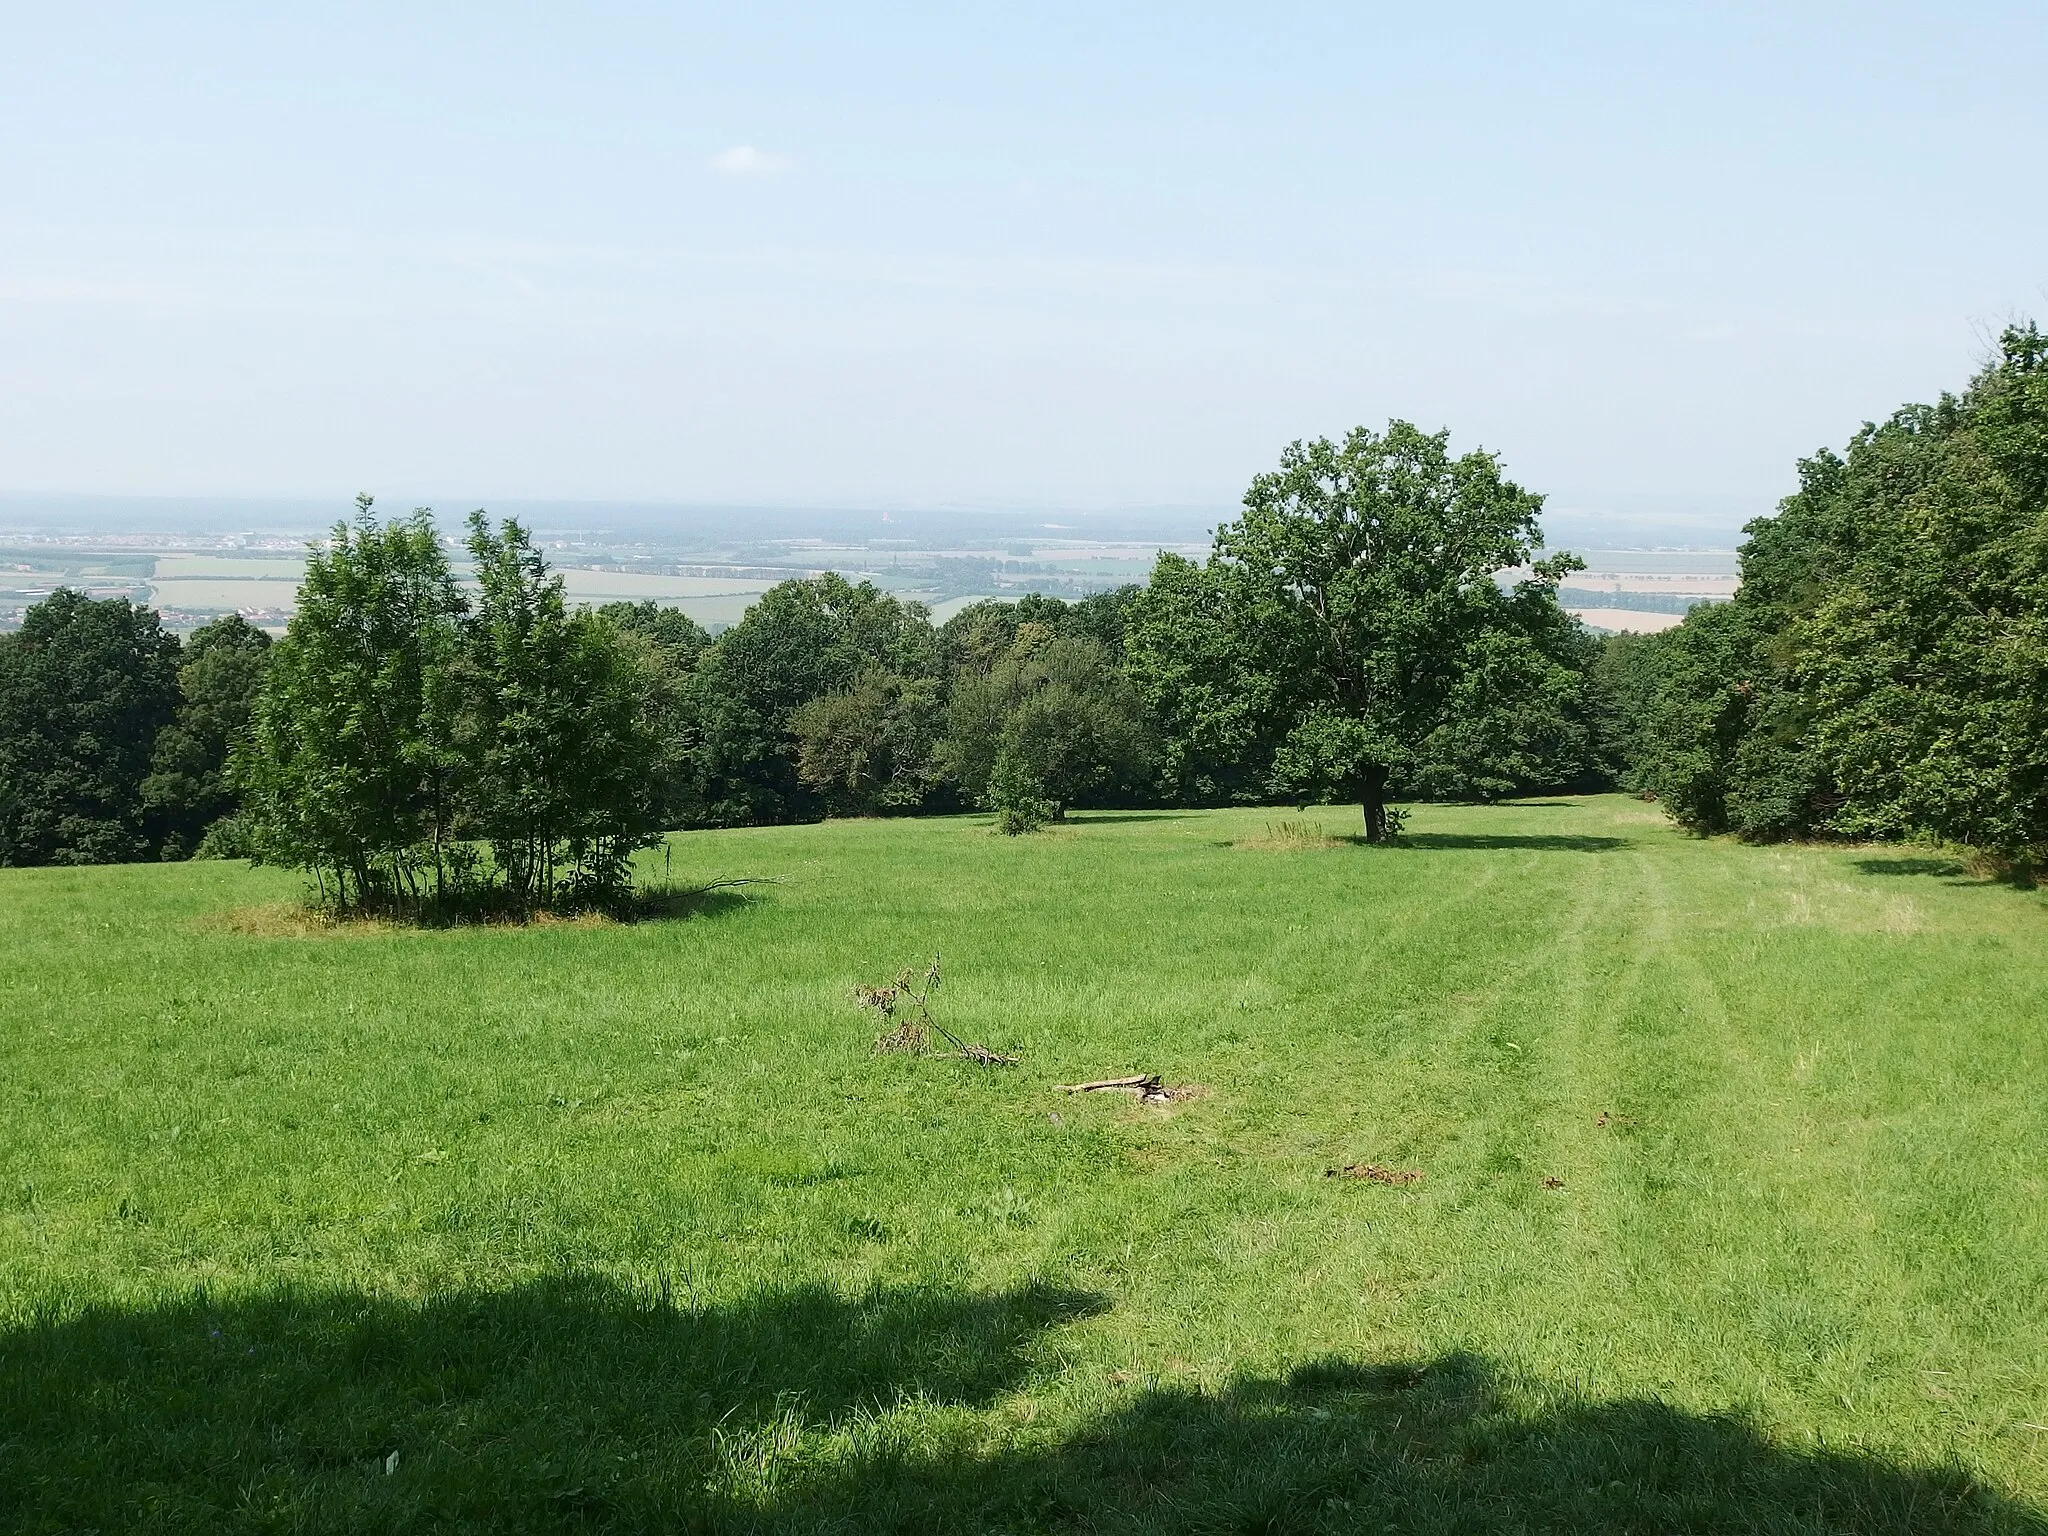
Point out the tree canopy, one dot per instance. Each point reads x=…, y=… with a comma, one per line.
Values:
x=1379, y=621
x=401, y=725
x=1883, y=671
x=1351, y=623
x=85, y=687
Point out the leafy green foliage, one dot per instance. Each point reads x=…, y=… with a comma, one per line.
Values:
x=1217, y=702
x=669, y=629
x=869, y=750
x=86, y=687
x=1059, y=710
x=219, y=678
x=556, y=754
x=397, y=727
x=1884, y=670
x=1717, y=737
x=1017, y=796
x=352, y=771
x=803, y=641
x=664, y=646
x=1359, y=589
x=1522, y=712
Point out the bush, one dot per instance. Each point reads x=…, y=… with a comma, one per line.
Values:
x=1018, y=797
x=227, y=838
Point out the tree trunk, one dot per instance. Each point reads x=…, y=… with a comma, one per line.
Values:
x=440, y=895
x=1373, y=791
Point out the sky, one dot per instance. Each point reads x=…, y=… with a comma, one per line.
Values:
x=1092, y=255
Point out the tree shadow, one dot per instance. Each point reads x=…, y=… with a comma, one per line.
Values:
x=302, y=920
x=1544, y=842
x=564, y=1400
x=1440, y=1446
x=1102, y=818
x=1938, y=867
x=587, y=1405
x=668, y=904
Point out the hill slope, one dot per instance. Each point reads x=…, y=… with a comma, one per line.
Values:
x=1730, y=1216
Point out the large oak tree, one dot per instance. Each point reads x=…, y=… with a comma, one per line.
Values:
x=1357, y=603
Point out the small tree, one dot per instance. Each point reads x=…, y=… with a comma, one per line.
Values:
x=1058, y=709
x=556, y=752
x=804, y=640
x=869, y=750
x=1017, y=796
x=350, y=769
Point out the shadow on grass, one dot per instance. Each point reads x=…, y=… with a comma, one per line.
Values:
x=672, y=904
x=1100, y=818
x=1544, y=842
x=1939, y=867
x=303, y=920
x=580, y=1404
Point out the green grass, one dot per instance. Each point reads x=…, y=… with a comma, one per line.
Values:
x=627, y=1228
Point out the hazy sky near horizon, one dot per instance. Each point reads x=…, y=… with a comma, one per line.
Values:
x=1061, y=255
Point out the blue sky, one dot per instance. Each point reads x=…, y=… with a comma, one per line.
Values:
x=1090, y=255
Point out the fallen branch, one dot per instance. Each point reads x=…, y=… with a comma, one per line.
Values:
x=1144, y=1086
x=724, y=885
x=1143, y=1082
x=914, y=1033
x=979, y=1054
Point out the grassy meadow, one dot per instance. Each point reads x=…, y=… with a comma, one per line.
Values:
x=1733, y=1208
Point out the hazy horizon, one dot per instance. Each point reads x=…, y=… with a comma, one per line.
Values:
x=1080, y=260
x=83, y=515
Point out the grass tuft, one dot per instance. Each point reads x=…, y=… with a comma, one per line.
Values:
x=1290, y=836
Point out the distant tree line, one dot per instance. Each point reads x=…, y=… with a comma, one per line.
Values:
x=413, y=741
x=1883, y=671
x=1355, y=634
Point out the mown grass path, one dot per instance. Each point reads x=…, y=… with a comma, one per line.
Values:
x=1731, y=1217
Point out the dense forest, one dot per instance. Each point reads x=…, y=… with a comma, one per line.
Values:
x=1883, y=671
x=1376, y=625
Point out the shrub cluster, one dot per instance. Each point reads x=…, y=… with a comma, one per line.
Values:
x=405, y=732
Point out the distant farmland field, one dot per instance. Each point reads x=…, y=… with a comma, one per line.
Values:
x=224, y=592
x=207, y=582
x=1555, y=1172
x=609, y=586
x=1631, y=620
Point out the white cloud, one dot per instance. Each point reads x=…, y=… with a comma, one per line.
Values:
x=745, y=160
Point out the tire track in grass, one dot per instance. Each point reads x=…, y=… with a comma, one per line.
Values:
x=1353, y=1076
x=1600, y=1109
x=1512, y=1072
x=1679, y=1046
x=1733, y=1256
x=1556, y=1193
x=1453, y=1096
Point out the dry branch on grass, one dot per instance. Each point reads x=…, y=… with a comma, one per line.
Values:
x=912, y=1032
x=1145, y=1086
